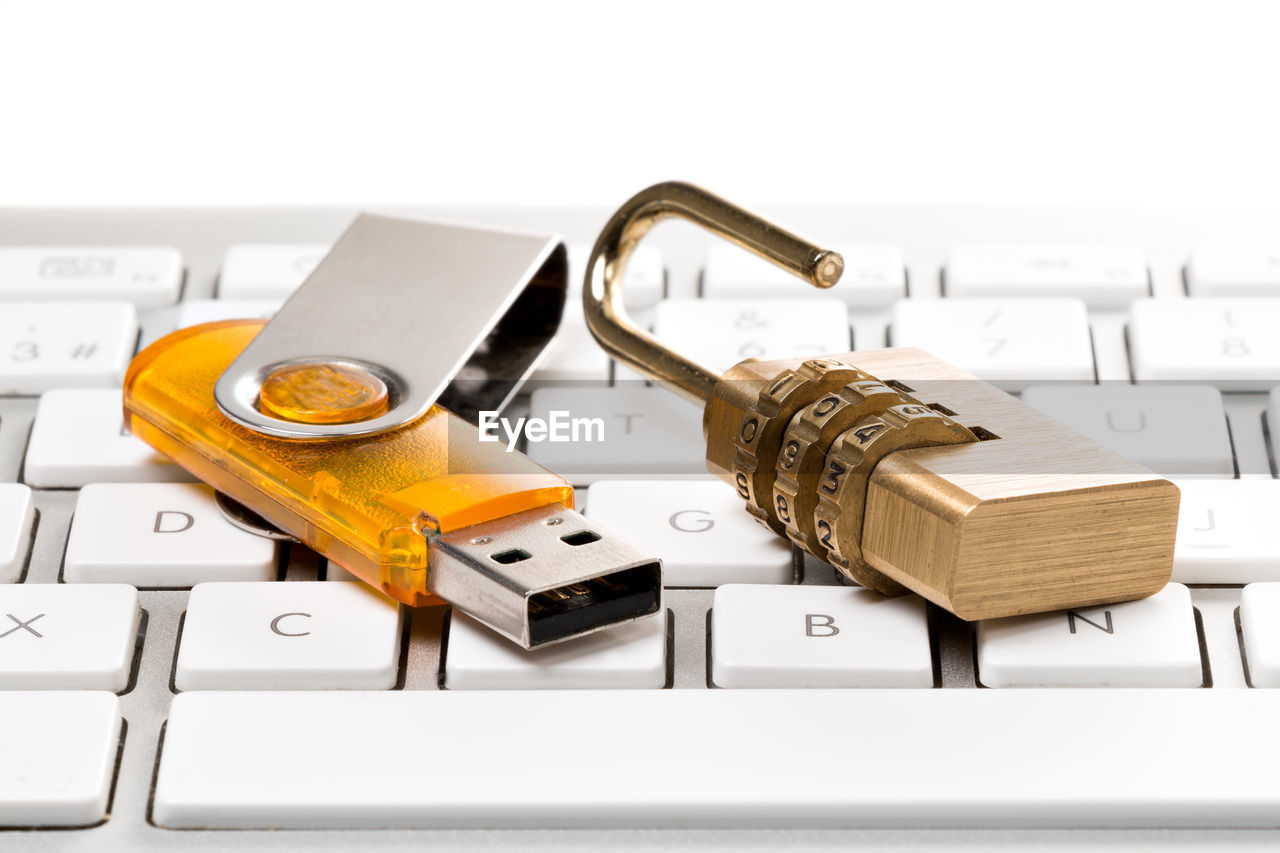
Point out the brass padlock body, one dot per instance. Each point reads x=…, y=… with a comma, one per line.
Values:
x=1025, y=521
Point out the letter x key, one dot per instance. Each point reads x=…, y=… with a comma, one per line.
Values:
x=22, y=626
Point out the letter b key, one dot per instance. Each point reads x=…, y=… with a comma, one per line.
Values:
x=867, y=640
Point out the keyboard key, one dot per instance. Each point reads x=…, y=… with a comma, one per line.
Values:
x=1175, y=430
x=17, y=516
x=1230, y=343
x=874, y=276
x=646, y=431
x=1008, y=342
x=267, y=270
x=334, y=572
x=196, y=311
x=288, y=636
x=62, y=637
x=645, y=281
x=719, y=333
x=764, y=758
x=1146, y=643
x=193, y=312
x=59, y=757
x=1102, y=276
x=79, y=438
x=1273, y=421
x=1260, y=628
x=628, y=656
x=147, y=276
x=1234, y=270
x=698, y=528
x=1227, y=532
x=167, y=535
x=573, y=355
x=818, y=636
x=47, y=345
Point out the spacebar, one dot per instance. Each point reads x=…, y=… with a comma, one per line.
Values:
x=721, y=758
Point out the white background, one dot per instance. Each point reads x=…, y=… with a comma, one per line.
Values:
x=229, y=101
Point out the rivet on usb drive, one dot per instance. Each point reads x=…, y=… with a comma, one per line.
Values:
x=348, y=422
x=326, y=393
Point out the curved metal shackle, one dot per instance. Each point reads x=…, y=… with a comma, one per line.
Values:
x=602, y=298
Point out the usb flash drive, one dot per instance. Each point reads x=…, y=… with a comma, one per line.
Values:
x=338, y=422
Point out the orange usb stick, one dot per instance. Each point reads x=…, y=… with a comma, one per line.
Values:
x=336, y=423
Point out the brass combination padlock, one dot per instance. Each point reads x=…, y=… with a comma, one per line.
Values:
x=902, y=471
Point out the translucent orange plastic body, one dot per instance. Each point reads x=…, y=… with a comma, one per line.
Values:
x=367, y=503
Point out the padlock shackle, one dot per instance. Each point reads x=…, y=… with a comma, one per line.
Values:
x=602, y=297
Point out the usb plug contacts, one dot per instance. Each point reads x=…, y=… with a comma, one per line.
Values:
x=544, y=575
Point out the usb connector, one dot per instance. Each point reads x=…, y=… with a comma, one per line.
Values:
x=544, y=575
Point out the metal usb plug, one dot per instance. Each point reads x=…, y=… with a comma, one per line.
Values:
x=544, y=575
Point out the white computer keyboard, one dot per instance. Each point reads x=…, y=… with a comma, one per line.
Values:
x=161, y=670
